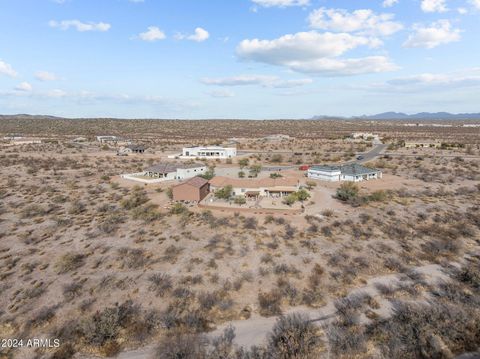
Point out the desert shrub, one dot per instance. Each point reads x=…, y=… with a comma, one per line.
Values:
x=347, y=191
x=222, y=347
x=133, y=258
x=72, y=290
x=161, y=283
x=69, y=262
x=147, y=213
x=111, y=223
x=178, y=208
x=43, y=315
x=104, y=326
x=435, y=330
x=250, y=223
x=65, y=351
x=346, y=341
x=181, y=346
x=33, y=210
x=77, y=207
x=270, y=302
x=315, y=276
x=294, y=336
x=239, y=200
x=137, y=197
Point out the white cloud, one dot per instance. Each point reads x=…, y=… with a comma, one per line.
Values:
x=199, y=35
x=262, y=80
x=24, y=86
x=221, y=93
x=462, y=10
x=7, y=69
x=281, y=3
x=45, y=76
x=56, y=93
x=153, y=33
x=389, y=3
x=475, y=3
x=314, y=52
x=438, y=33
x=363, y=21
x=80, y=26
x=434, y=5
x=431, y=81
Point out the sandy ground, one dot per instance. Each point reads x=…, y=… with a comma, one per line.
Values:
x=254, y=330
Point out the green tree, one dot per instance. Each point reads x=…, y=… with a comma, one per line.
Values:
x=209, y=173
x=290, y=199
x=302, y=195
x=255, y=169
x=243, y=163
x=275, y=175
x=241, y=174
x=224, y=193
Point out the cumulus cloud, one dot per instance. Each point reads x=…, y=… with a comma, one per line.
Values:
x=362, y=21
x=438, y=33
x=389, y=3
x=315, y=53
x=199, y=35
x=45, y=76
x=7, y=69
x=262, y=80
x=475, y=3
x=152, y=34
x=24, y=86
x=80, y=26
x=434, y=5
x=281, y=3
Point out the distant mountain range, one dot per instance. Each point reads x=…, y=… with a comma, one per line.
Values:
x=416, y=116
x=381, y=116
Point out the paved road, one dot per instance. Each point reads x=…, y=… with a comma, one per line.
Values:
x=372, y=154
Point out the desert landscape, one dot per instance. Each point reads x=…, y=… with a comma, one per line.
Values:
x=115, y=267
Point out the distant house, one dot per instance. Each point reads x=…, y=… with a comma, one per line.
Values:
x=209, y=152
x=175, y=171
x=192, y=190
x=80, y=139
x=277, y=137
x=129, y=149
x=264, y=187
x=422, y=144
x=350, y=172
x=107, y=139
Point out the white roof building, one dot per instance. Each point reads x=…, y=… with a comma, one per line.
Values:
x=351, y=172
x=209, y=152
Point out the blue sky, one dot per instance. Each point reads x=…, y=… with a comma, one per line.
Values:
x=238, y=58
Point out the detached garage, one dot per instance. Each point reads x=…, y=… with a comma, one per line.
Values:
x=193, y=190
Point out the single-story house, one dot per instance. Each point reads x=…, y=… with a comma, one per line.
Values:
x=107, y=139
x=263, y=187
x=350, y=172
x=175, y=171
x=209, y=152
x=192, y=190
x=131, y=149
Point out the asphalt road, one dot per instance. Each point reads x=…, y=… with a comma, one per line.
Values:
x=372, y=154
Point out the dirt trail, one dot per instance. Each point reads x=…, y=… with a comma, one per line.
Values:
x=254, y=330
